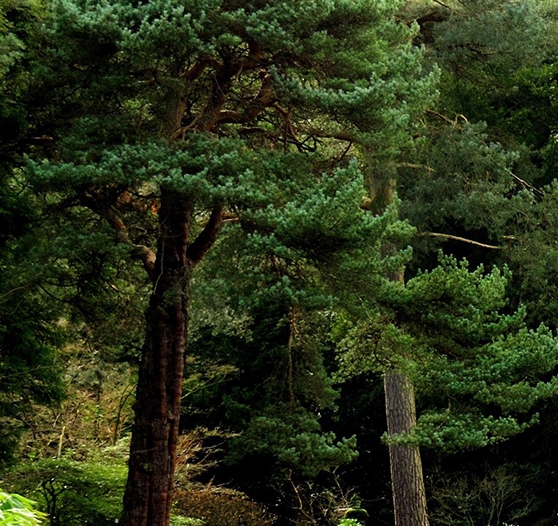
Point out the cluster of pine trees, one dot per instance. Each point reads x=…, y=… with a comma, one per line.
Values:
x=277, y=250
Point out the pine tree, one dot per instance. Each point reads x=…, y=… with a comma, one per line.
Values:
x=30, y=373
x=485, y=178
x=172, y=120
x=456, y=185
x=479, y=372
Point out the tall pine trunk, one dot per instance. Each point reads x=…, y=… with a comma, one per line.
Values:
x=407, y=482
x=148, y=496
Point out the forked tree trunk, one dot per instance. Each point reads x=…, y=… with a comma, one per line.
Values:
x=407, y=482
x=148, y=495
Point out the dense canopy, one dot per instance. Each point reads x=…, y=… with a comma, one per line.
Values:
x=256, y=257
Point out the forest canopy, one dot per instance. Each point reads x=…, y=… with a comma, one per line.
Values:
x=278, y=262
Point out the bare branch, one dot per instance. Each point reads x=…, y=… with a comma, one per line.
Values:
x=442, y=4
x=462, y=239
x=181, y=132
x=447, y=119
x=205, y=240
x=415, y=166
x=525, y=184
x=14, y=290
x=110, y=214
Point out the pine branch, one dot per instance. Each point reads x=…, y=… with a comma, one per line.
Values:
x=462, y=239
x=205, y=240
x=525, y=184
x=112, y=217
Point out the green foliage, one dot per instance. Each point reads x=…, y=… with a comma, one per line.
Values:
x=349, y=522
x=271, y=110
x=19, y=20
x=54, y=278
x=488, y=151
x=16, y=510
x=179, y=520
x=73, y=493
x=29, y=336
x=275, y=393
x=466, y=183
x=356, y=513
x=292, y=439
x=496, y=70
x=479, y=372
x=30, y=372
x=480, y=48
x=532, y=256
x=122, y=42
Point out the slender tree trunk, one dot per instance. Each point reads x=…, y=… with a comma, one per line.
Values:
x=148, y=495
x=409, y=496
x=407, y=481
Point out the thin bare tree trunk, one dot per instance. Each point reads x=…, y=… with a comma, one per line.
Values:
x=409, y=496
x=407, y=481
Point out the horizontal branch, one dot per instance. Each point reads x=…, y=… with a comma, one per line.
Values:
x=453, y=122
x=141, y=252
x=14, y=290
x=462, y=239
x=442, y=4
x=415, y=166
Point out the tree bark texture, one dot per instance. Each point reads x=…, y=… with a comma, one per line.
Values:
x=148, y=495
x=409, y=495
x=407, y=481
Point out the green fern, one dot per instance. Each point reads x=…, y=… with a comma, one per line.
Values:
x=16, y=510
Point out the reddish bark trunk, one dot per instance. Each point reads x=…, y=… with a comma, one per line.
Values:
x=149, y=489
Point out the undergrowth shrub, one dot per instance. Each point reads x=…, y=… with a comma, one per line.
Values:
x=220, y=507
x=349, y=522
x=72, y=493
